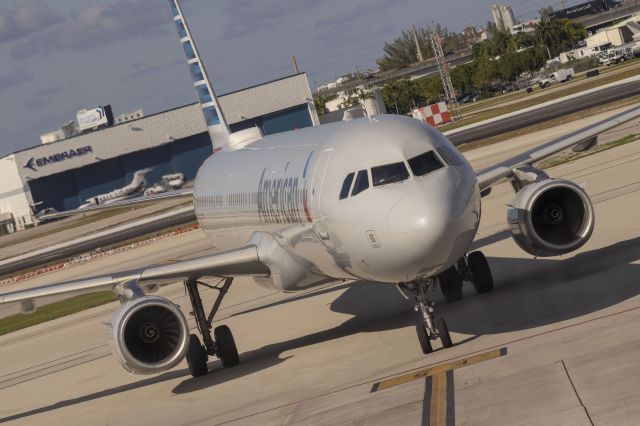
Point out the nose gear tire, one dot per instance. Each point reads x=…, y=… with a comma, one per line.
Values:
x=443, y=332
x=423, y=338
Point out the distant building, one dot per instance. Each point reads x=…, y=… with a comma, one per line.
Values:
x=525, y=27
x=134, y=115
x=627, y=31
x=64, y=132
x=503, y=17
x=471, y=35
x=64, y=173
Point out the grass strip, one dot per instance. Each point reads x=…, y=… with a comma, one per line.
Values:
x=108, y=247
x=56, y=310
x=550, y=123
x=495, y=112
x=570, y=156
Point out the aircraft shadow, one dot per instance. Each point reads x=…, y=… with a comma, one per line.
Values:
x=535, y=292
x=528, y=293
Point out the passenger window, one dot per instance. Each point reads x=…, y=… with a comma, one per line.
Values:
x=362, y=182
x=449, y=156
x=389, y=173
x=425, y=163
x=346, y=185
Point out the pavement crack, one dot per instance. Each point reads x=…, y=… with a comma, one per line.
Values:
x=564, y=365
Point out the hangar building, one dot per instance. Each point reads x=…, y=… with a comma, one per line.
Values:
x=65, y=173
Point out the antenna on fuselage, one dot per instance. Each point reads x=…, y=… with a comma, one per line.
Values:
x=213, y=116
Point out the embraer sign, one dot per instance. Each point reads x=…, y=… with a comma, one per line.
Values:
x=56, y=158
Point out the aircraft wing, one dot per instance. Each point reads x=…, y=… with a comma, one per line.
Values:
x=130, y=202
x=491, y=175
x=243, y=261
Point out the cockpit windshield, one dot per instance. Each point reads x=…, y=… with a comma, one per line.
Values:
x=361, y=183
x=425, y=163
x=389, y=173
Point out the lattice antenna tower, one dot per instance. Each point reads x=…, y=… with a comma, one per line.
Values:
x=443, y=67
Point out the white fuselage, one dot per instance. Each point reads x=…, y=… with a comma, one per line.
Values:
x=289, y=186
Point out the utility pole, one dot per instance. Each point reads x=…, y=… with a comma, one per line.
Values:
x=563, y=3
x=295, y=65
x=443, y=67
x=415, y=39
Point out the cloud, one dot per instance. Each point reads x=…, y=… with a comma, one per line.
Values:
x=33, y=103
x=250, y=16
x=25, y=19
x=345, y=19
x=47, y=91
x=98, y=25
x=141, y=70
x=15, y=78
x=43, y=96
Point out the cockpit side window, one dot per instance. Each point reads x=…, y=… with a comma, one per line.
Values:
x=389, y=173
x=449, y=156
x=362, y=182
x=425, y=163
x=346, y=186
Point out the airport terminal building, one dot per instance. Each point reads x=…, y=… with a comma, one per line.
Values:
x=65, y=173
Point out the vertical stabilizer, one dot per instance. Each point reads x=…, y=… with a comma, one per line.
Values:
x=213, y=115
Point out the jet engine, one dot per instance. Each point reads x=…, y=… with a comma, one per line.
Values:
x=148, y=335
x=551, y=217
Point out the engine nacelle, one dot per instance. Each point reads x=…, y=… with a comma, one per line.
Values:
x=551, y=217
x=148, y=335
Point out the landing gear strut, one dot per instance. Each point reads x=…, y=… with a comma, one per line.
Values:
x=224, y=346
x=428, y=328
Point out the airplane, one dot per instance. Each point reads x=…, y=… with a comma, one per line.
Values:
x=386, y=198
x=137, y=185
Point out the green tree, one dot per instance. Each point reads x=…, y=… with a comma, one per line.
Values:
x=401, y=96
x=559, y=35
x=485, y=74
x=462, y=77
x=402, y=51
x=321, y=104
x=544, y=12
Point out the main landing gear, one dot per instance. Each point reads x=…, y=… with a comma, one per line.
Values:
x=472, y=267
x=221, y=344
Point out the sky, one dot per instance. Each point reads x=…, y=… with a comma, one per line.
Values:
x=59, y=56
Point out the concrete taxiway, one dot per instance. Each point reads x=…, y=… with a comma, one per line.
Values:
x=556, y=342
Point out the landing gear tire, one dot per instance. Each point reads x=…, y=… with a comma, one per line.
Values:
x=443, y=332
x=481, y=272
x=226, y=346
x=196, y=357
x=424, y=339
x=451, y=284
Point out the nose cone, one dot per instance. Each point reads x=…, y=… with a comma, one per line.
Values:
x=419, y=223
x=433, y=228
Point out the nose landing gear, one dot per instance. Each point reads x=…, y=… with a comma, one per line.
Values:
x=428, y=328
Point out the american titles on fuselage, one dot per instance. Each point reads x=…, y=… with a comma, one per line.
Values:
x=277, y=200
